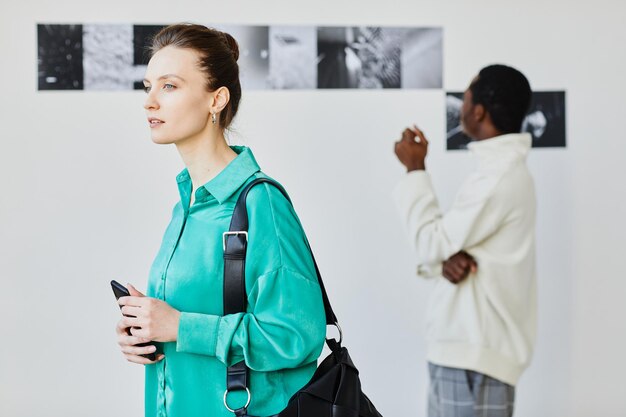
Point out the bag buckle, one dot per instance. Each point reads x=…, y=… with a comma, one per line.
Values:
x=233, y=233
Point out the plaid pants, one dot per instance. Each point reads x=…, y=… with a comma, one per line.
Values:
x=462, y=393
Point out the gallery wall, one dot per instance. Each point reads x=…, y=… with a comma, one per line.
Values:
x=86, y=196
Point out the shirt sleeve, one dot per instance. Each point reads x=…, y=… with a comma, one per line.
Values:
x=284, y=328
x=474, y=216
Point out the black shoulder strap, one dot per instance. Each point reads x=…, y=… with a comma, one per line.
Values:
x=235, y=243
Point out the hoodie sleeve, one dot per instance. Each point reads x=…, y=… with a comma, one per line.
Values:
x=474, y=216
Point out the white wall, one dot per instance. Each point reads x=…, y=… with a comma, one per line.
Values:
x=85, y=198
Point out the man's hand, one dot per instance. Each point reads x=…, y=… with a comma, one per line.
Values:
x=458, y=267
x=412, y=152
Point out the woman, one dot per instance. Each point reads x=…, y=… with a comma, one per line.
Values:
x=193, y=91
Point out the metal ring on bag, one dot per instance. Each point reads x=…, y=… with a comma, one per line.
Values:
x=245, y=406
x=340, y=331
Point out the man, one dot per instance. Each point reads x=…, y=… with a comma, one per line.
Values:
x=481, y=315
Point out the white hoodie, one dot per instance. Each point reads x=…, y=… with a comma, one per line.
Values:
x=487, y=323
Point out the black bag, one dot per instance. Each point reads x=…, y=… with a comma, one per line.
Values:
x=335, y=388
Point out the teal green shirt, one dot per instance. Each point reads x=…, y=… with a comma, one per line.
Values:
x=280, y=336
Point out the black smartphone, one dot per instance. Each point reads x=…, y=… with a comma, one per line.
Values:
x=120, y=291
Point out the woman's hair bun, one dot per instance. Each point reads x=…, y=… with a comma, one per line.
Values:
x=232, y=44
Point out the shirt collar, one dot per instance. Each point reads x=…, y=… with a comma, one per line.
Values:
x=231, y=178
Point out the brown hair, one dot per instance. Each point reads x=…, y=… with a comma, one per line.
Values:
x=218, y=59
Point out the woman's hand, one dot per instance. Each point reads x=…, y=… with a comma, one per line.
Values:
x=152, y=319
x=127, y=344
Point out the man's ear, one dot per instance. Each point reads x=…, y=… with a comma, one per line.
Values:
x=479, y=113
x=221, y=97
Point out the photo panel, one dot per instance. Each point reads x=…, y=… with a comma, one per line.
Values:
x=358, y=57
x=422, y=58
x=293, y=57
x=60, y=57
x=545, y=120
x=108, y=57
x=455, y=138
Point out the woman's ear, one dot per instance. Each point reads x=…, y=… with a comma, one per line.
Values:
x=221, y=97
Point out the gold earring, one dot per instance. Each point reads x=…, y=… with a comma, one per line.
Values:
x=213, y=118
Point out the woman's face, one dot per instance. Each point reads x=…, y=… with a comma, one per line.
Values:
x=177, y=103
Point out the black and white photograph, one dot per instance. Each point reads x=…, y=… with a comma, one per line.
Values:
x=545, y=120
x=293, y=57
x=455, y=138
x=358, y=57
x=60, y=57
x=108, y=57
x=422, y=58
x=380, y=57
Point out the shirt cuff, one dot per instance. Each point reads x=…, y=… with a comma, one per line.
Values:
x=429, y=271
x=197, y=333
